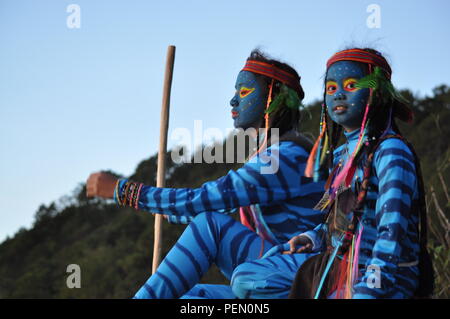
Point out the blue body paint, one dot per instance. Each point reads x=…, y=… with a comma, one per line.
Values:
x=248, y=103
x=345, y=103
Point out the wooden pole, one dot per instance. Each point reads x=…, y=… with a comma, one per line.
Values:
x=164, y=125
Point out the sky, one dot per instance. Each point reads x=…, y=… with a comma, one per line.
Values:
x=77, y=100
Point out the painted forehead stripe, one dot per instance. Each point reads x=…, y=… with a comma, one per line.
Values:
x=273, y=72
x=361, y=56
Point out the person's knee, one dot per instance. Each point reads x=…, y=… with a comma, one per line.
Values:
x=243, y=281
x=261, y=279
x=200, y=218
x=209, y=217
x=211, y=220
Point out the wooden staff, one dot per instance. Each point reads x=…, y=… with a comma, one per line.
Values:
x=164, y=125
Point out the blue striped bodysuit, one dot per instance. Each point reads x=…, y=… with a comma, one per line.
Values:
x=285, y=199
x=390, y=240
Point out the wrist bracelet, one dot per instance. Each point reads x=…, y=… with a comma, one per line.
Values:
x=127, y=194
x=136, y=206
x=117, y=194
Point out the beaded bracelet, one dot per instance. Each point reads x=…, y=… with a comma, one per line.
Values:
x=130, y=194
x=137, y=197
x=120, y=191
x=125, y=193
x=134, y=195
x=117, y=193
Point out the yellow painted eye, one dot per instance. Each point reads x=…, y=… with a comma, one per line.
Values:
x=245, y=91
x=331, y=87
x=350, y=85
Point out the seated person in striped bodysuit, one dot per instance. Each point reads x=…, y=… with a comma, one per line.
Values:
x=373, y=240
x=274, y=205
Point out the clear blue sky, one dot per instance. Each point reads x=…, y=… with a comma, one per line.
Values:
x=75, y=101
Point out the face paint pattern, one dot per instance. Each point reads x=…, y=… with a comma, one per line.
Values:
x=345, y=103
x=248, y=103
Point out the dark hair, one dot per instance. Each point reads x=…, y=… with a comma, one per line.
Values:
x=285, y=119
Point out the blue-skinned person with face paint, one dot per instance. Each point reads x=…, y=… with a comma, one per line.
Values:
x=372, y=243
x=274, y=205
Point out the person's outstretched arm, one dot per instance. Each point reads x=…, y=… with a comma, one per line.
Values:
x=274, y=175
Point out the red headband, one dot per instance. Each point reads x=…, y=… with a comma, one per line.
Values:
x=363, y=56
x=402, y=111
x=275, y=73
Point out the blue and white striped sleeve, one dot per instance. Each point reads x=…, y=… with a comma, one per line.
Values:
x=396, y=172
x=274, y=175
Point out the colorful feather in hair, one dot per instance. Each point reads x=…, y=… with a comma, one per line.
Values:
x=311, y=168
x=324, y=150
x=377, y=80
x=286, y=97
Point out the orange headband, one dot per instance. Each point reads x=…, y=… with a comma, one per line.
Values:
x=275, y=73
x=363, y=56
